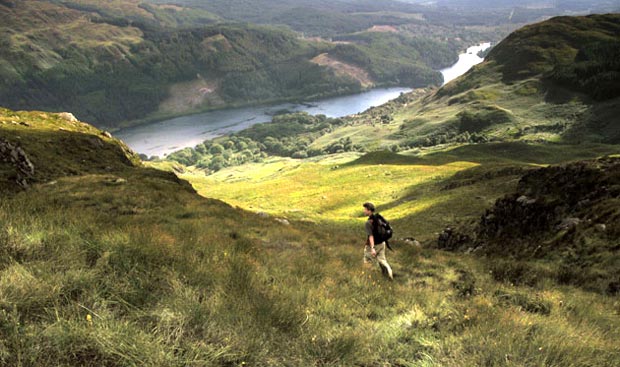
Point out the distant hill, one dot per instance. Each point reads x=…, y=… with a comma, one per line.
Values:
x=552, y=81
x=117, y=62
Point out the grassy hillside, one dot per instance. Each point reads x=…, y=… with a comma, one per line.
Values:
x=554, y=81
x=126, y=265
x=560, y=92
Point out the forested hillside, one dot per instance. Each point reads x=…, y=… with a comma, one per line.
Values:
x=551, y=82
x=106, y=260
x=113, y=64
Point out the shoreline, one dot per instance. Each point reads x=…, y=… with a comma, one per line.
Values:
x=155, y=118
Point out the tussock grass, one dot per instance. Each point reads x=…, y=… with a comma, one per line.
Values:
x=164, y=288
x=142, y=271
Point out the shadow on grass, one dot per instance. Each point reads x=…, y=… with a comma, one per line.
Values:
x=505, y=152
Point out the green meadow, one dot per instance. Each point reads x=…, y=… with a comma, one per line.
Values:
x=109, y=261
x=421, y=192
x=124, y=265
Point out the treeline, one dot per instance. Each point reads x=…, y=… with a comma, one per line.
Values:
x=288, y=135
x=468, y=126
x=107, y=85
x=395, y=58
x=595, y=71
x=311, y=17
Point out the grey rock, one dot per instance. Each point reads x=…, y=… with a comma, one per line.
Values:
x=67, y=116
x=601, y=227
x=524, y=200
x=411, y=241
x=283, y=221
x=117, y=181
x=263, y=215
x=16, y=156
x=568, y=223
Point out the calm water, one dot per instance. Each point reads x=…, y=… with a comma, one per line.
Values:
x=164, y=137
x=466, y=61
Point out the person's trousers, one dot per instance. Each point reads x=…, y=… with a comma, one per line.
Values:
x=380, y=248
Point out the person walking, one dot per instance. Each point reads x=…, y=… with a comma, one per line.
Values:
x=375, y=251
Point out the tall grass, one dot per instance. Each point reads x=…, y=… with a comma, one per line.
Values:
x=82, y=289
x=147, y=273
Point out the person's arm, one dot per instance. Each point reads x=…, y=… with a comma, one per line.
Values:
x=371, y=241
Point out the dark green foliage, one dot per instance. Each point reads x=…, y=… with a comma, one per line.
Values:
x=515, y=272
x=312, y=17
x=475, y=122
x=465, y=285
x=595, y=71
x=343, y=145
x=395, y=58
x=447, y=135
x=288, y=135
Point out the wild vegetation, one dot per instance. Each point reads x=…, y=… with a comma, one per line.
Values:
x=125, y=62
x=109, y=261
x=122, y=265
x=288, y=135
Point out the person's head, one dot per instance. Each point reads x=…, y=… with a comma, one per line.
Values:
x=369, y=208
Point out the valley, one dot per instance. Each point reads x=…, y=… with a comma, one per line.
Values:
x=246, y=249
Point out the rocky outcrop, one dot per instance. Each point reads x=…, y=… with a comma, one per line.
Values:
x=552, y=200
x=17, y=158
x=67, y=116
x=568, y=215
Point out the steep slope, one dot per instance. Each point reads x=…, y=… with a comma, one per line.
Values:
x=117, y=63
x=128, y=266
x=40, y=147
x=561, y=222
x=554, y=81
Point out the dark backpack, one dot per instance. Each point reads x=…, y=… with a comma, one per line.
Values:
x=382, y=231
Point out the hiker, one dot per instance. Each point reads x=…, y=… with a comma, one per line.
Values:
x=374, y=250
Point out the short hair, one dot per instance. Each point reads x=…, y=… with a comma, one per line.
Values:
x=370, y=206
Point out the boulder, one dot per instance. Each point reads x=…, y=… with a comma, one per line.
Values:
x=16, y=156
x=67, y=116
x=568, y=223
x=283, y=221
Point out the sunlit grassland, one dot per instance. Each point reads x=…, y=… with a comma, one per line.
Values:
x=323, y=191
x=103, y=262
x=420, y=194
x=370, y=136
x=147, y=273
